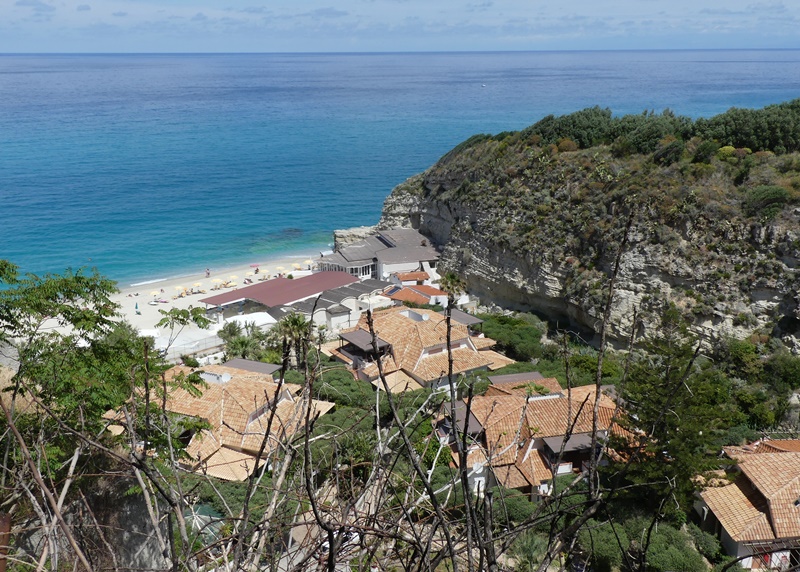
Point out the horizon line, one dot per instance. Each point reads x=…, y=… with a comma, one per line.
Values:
x=390, y=52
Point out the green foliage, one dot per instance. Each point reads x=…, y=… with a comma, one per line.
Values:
x=765, y=201
x=705, y=543
x=512, y=507
x=527, y=551
x=587, y=127
x=181, y=317
x=515, y=337
x=742, y=359
x=782, y=372
x=684, y=408
x=670, y=551
x=669, y=153
x=601, y=544
x=773, y=128
x=705, y=152
x=620, y=547
x=230, y=330
x=294, y=376
x=740, y=435
x=337, y=384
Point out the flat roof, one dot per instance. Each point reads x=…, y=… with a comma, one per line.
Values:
x=463, y=318
x=252, y=365
x=574, y=443
x=399, y=254
x=280, y=291
x=516, y=377
x=363, y=340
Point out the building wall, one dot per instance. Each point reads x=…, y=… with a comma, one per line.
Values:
x=387, y=269
x=339, y=322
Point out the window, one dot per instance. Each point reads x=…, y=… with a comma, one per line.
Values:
x=764, y=559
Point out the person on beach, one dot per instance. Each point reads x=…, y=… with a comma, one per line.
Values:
x=208, y=272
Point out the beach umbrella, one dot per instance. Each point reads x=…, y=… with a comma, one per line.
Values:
x=198, y=284
x=297, y=266
x=280, y=268
x=255, y=265
x=233, y=277
x=180, y=287
x=136, y=306
x=217, y=280
x=309, y=261
x=248, y=273
x=154, y=293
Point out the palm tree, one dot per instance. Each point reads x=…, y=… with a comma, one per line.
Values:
x=244, y=347
x=230, y=330
x=295, y=330
x=453, y=285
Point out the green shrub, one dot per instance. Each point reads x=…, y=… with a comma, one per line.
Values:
x=602, y=545
x=706, y=544
x=338, y=385
x=705, y=151
x=527, y=551
x=782, y=372
x=765, y=201
x=669, y=153
x=726, y=152
x=511, y=506
x=566, y=145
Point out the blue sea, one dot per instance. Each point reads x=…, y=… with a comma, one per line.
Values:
x=152, y=166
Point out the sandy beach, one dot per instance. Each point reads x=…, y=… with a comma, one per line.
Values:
x=139, y=303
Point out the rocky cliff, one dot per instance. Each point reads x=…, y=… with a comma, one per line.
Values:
x=531, y=226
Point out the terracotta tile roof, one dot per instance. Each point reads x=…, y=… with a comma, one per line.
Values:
x=766, y=446
x=510, y=422
x=475, y=455
x=238, y=410
x=398, y=382
x=201, y=447
x=523, y=385
x=482, y=343
x=498, y=359
x=510, y=476
x=407, y=295
x=418, y=338
x=409, y=276
x=426, y=290
x=228, y=465
x=740, y=509
x=779, y=446
x=589, y=391
x=760, y=504
x=433, y=367
x=534, y=468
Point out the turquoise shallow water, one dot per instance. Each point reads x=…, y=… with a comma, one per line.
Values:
x=149, y=166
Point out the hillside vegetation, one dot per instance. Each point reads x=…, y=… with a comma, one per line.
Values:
x=533, y=219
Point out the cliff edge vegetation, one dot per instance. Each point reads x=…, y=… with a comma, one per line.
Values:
x=533, y=219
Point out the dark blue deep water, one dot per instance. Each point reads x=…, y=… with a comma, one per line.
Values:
x=149, y=166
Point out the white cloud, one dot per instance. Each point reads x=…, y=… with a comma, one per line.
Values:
x=402, y=25
x=35, y=5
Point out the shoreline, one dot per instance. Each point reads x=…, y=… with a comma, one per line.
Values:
x=276, y=258
x=139, y=303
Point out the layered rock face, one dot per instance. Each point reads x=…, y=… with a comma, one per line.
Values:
x=544, y=239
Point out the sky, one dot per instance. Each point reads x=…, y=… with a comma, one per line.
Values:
x=56, y=26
